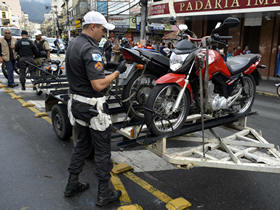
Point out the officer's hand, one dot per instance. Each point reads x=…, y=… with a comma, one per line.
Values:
x=122, y=67
x=1, y=60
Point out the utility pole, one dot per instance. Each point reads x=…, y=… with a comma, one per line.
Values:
x=143, y=4
x=68, y=22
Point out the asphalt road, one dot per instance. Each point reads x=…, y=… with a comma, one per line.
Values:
x=34, y=167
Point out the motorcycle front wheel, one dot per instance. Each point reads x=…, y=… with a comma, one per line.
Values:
x=159, y=116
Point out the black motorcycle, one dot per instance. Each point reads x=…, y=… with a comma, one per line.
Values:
x=144, y=67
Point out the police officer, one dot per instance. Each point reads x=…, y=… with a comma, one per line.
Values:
x=43, y=48
x=27, y=51
x=87, y=106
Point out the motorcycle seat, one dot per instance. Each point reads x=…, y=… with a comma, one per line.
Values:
x=157, y=57
x=240, y=63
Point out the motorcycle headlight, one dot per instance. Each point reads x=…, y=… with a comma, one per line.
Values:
x=176, y=61
x=53, y=67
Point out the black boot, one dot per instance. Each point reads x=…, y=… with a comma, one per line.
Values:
x=22, y=86
x=74, y=186
x=105, y=194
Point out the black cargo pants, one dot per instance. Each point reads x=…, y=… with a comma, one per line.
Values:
x=100, y=141
x=24, y=67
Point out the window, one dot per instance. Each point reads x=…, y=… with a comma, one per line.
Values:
x=4, y=15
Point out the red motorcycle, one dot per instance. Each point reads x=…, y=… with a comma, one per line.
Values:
x=228, y=87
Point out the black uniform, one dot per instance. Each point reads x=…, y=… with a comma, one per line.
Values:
x=84, y=63
x=27, y=51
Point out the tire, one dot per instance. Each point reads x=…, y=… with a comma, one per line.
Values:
x=4, y=70
x=60, y=122
x=248, y=94
x=163, y=97
x=142, y=93
x=278, y=90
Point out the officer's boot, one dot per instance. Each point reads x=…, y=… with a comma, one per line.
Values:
x=22, y=86
x=74, y=186
x=105, y=194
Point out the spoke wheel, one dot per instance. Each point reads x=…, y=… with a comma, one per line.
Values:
x=159, y=115
x=247, y=97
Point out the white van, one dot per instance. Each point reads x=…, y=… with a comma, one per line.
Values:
x=15, y=32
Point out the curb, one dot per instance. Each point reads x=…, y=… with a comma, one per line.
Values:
x=266, y=93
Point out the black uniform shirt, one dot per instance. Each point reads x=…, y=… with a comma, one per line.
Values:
x=84, y=63
x=26, y=48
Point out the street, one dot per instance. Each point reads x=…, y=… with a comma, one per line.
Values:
x=34, y=167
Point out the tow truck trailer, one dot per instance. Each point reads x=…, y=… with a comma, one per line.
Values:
x=237, y=146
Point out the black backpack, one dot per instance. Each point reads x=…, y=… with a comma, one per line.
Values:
x=41, y=50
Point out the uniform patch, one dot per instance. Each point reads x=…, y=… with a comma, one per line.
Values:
x=96, y=57
x=98, y=66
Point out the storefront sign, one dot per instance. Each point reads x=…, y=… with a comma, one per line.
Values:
x=119, y=21
x=204, y=7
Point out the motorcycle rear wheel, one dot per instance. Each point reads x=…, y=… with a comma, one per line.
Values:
x=248, y=94
x=159, y=117
x=278, y=90
x=140, y=86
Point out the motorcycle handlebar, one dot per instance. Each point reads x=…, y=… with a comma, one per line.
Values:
x=225, y=37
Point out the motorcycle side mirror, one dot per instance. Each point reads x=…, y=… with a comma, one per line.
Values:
x=183, y=27
x=228, y=23
x=218, y=25
x=172, y=21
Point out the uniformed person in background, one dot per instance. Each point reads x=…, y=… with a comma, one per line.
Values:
x=27, y=51
x=43, y=49
x=88, y=83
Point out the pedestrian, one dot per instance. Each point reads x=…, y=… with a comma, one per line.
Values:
x=116, y=50
x=88, y=84
x=102, y=42
x=246, y=50
x=43, y=49
x=8, y=55
x=238, y=51
x=108, y=49
x=27, y=51
x=57, y=44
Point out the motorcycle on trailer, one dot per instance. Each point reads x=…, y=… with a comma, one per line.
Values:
x=228, y=87
x=145, y=67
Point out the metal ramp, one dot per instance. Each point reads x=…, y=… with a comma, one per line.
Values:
x=244, y=149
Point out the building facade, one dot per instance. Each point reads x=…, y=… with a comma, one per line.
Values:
x=259, y=23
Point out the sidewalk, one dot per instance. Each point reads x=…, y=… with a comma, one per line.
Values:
x=267, y=87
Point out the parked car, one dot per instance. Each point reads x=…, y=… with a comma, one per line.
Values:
x=52, y=45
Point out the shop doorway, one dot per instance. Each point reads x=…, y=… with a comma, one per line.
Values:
x=251, y=38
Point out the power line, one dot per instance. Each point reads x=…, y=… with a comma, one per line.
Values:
x=127, y=9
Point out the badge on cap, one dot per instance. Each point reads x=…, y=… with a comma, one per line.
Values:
x=98, y=66
x=96, y=57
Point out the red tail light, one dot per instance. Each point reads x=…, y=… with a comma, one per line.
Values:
x=127, y=56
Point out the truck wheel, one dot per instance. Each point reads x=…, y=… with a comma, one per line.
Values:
x=60, y=121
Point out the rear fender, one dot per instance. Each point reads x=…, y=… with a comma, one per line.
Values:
x=179, y=79
x=254, y=72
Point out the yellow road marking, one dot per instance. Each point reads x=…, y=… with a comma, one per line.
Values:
x=47, y=119
x=145, y=185
x=118, y=185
